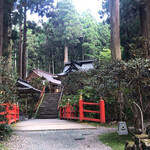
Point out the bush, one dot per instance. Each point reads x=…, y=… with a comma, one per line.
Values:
x=5, y=131
x=118, y=82
x=8, y=93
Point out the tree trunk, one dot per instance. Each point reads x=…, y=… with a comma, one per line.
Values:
x=24, y=43
x=148, y=27
x=144, y=12
x=66, y=54
x=9, y=49
x=53, y=66
x=82, y=54
x=49, y=67
x=20, y=49
x=7, y=30
x=115, y=29
x=1, y=25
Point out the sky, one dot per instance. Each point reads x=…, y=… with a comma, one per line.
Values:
x=93, y=5
x=80, y=5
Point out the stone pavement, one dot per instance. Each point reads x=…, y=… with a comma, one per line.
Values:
x=56, y=134
x=49, y=124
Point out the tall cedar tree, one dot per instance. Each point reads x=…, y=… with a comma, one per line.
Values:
x=115, y=29
x=1, y=25
x=67, y=26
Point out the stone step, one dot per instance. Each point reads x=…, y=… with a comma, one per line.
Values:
x=47, y=116
x=48, y=108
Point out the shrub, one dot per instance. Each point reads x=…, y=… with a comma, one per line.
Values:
x=118, y=82
x=5, y=131
x=8, y=93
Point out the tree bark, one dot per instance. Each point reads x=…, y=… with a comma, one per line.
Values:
x=9, y=48
x=115, y=29
x=148, y=27
x=144, y=12
x=66, y=54
x=49, y=67
x=143, y=24
x=7, y=30
x=53, y=66
x=20, y=49
x=1, y=25
x=24, y=43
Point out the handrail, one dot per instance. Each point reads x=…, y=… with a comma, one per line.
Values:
x=60, y=97
x=39, y=98
x=39, y=102
x=39, y=105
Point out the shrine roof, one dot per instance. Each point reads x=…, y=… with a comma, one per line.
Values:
x=77, y=66
x=48, y=76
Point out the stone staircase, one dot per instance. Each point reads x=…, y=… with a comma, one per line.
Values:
x=48, y=108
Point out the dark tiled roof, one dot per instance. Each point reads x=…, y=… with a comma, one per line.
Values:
x=25, y=87
x=77, y=66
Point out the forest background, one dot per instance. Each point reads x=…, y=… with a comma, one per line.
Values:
x=67, y=35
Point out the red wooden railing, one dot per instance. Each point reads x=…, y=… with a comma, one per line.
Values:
x=71, y=112
x=11, y=113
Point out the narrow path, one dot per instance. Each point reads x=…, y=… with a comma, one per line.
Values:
x=70, y=139
x=49, y=124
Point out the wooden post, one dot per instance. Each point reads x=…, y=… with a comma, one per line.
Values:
x=60, y=113
x=81, y=108
x=102, y=111
x=68, y=110
x=8, y=112
x=26, y=108
x=15, y=112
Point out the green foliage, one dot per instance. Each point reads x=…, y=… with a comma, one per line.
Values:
x=115, y=141
x=37, y=83
x=105, y=55
x=35, y=42
x=130, y=27
x=5, y=131
x=66, y=24
x=2, y=146
x=72, y=99
x=96, y=36
x=84, y=37
x=8, y=91
x=109, y=80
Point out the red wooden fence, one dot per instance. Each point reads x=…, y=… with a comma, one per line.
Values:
x=11, y=113
x=71, y=112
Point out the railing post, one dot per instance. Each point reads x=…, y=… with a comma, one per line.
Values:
x=60, y=113
x=81, y=108
x=68, y=110
x=63, y=112
x=15, y=112
x=8, y=117
x=71, y=113
x=102, y=111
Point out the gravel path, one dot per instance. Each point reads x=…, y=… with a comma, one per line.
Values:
x=87, y=139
